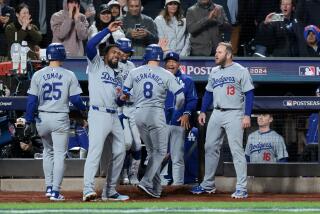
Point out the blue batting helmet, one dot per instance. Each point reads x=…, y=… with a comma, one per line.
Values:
x=125, y=45
x=153, y=52
x=56, y=52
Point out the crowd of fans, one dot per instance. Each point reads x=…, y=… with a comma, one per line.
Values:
x=189, y=27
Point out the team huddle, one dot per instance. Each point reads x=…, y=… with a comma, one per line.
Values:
x=139, y=95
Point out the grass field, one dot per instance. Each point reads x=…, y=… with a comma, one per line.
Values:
x=162, y=207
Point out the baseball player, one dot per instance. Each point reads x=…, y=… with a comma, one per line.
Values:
x=179, y=120
x=102, y=118
x=51, y=89
x=150, y=84
x=131, y=132
x=230, y=90
x=265, y=145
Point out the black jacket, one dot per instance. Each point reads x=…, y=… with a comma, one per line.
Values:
x=3, y=42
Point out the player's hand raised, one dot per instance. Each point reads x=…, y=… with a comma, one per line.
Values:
x=202, y=118
x=114, y=26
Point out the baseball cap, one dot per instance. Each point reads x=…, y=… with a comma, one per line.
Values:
x=311, y=28
x=168, y=1
x=103, y=8
x=113, y=2
x=172, y=55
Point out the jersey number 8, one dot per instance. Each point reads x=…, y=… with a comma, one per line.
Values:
x=52, y=91
x=147, y=89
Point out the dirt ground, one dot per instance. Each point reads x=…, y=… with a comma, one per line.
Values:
x=170, y=193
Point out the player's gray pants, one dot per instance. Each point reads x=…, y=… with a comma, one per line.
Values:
x=53, y=128
x=131, y=132
x=101, y=124
x=231, y=121
x=154, y=133
x=176, y=142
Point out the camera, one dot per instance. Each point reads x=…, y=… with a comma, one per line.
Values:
x=277, y=17
x=137, y=26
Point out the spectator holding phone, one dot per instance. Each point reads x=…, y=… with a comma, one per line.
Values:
x=281, y=34
x=139, y=28
x=70, y=27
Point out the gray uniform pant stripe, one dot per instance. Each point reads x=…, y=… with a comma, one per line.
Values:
x=154, y=133
x=176, y=142
x=54, y=132
x=102, y=124
x=231, y=122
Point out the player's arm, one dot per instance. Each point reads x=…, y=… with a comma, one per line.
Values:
x=91, y=48
x=249, y=97
x=179, y=99
x=77, y=101
x=94, y=41
x=32, y=103
x=191, y=100
x=207, y=101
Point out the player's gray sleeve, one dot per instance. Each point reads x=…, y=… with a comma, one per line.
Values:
x=33, y=90
x=128, y=82
x=94, y=64
x=209, y=84
x=179, y=100
x=281, y=151
x=247, y=84
x=74, y=86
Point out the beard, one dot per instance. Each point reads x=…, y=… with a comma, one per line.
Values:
x=113, y=64
x=222, y=61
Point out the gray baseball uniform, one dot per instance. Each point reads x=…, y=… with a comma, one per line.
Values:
x=266, y=147
x=149, y=85
x=103, y=120
x=228, y=86
x=53, y=86
x=131, y=132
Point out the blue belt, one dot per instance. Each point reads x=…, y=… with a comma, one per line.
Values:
x=97, y=108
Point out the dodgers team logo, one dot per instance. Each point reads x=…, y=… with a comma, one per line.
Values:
x=307, y=70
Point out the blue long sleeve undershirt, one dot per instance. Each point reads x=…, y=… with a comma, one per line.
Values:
x=77, y=102
x=207, y=101
x=31, y=107
x=91, y=48
x=249, y=102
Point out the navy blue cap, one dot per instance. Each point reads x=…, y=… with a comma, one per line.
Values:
x=172, y=55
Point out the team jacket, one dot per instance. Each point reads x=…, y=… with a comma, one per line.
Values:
x=190, y=104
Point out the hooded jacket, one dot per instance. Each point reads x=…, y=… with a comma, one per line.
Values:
x=69, y=32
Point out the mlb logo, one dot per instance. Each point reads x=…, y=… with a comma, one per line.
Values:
x=307, y=70
x=183, y=69
x=288, y=103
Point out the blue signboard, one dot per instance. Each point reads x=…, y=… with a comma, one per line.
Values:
x=261, y=103
x=297, y=70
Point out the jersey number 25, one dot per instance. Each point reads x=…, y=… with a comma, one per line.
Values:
x=52, y=91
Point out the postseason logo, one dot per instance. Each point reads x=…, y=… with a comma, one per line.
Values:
x=302, y=103
x=308, y=71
